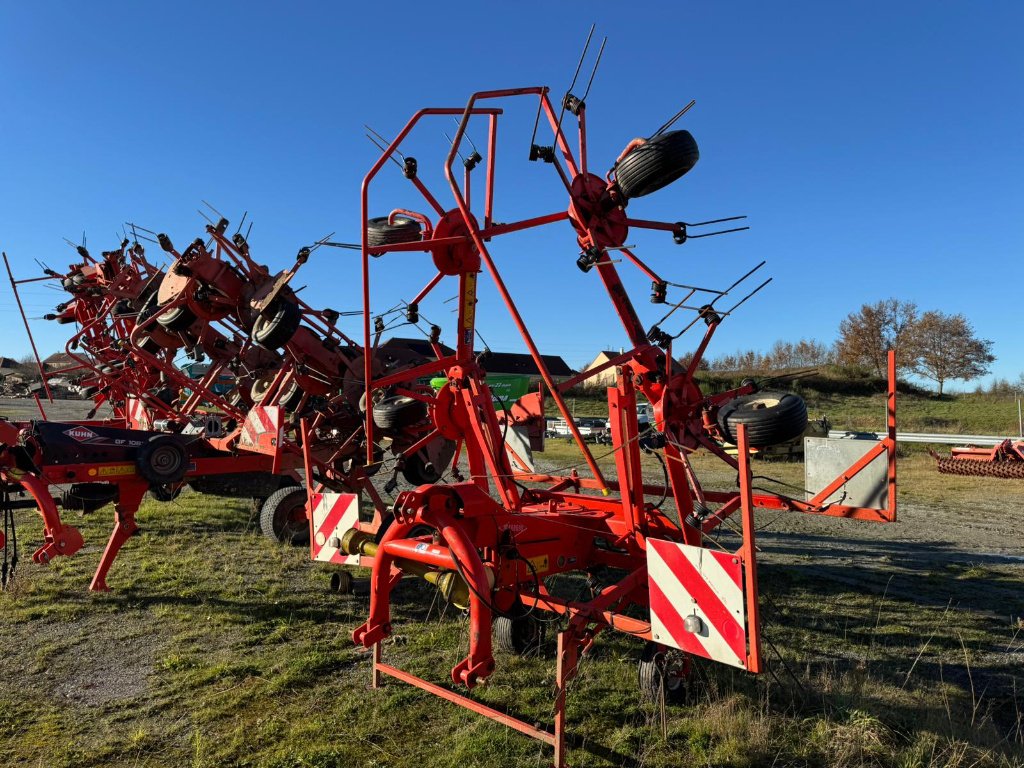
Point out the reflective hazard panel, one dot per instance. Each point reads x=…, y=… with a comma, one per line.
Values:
x=333, y=515
x=262, y=432
x=697, y=601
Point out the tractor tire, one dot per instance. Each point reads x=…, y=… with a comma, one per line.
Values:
x=90, y=392
x=393, y=414
x=178, y=319
x=404, y=230
x=147, y=344
x=275, y=328
x=771, y=418
x=519, y=634
x=289, y=399
x=283, y=517
x=88, y=497
x=426, y=466
x=163, y=460
x=656, y=164
x=662, y=672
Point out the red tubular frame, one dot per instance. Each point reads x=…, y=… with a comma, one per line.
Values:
x=549, y=521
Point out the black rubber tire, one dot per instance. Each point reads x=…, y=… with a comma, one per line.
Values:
x=418, y=469
x=519, y=635
x=163, y=460
x=90, y=392
x=291, y=397
x=397, y=412
x=658, y=672
x=279, y=519
x=178, y=319
x=275, y=327
x=147, y=344
x=165, y=493
x=656, y=164
x=771, y=418
x=404, y=230
x=88, y=497
x=65, y=319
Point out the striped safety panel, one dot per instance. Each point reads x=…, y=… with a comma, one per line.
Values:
x=333, y=515
x=697, y=601
x=137, y=413
x=261, y=432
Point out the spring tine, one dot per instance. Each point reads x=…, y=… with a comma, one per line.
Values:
x=720, y=232
x=221, y=215
x=466, y=134
x=139, y=226
x=594, y=72
x=384, y=148
x=386, y=142
x=206, y=217
x=736, y=306
x=715, y=221
x=763, y=262
x=451, y=143
x=561, y=113
x=672, y=120
x=242, y=222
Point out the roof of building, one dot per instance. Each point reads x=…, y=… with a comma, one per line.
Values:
x=60, y=360
x=8, y=362
x=522, y=363
x=405, y=350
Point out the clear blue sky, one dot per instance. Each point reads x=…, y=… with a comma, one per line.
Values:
x=877, y=147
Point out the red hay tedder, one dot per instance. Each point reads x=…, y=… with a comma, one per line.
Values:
x=311, y=402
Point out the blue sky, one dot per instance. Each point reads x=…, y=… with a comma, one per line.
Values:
x=876, y=147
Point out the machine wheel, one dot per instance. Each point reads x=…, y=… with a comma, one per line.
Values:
x=771, y=418
x=379, y=232
x=283, y=517
x=89, y=392
x=147, y=344
x=178, y=319
x=277, y=325
x=65, y=319
x=656, y=164
x=519, y=635
x=399, y=411
x=163, y=460
x=291, y=397
x=165, y=492
x=427, y=465
x=665, y=670
x=88, y=497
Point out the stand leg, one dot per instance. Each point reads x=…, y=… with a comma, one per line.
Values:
x=568, y=650
x=124, y=527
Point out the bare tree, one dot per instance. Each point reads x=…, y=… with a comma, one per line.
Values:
x=866, y=336
x=944, y=347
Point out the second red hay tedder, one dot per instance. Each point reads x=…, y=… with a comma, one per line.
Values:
x=310, y=402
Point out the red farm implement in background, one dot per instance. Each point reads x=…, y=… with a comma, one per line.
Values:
x=490, y=541
x=1004, y=460
x=281, y=358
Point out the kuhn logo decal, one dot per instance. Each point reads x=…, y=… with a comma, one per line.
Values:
x=81, y=434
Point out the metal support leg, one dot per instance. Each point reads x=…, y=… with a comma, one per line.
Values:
x=568, y=651
x=124, y=527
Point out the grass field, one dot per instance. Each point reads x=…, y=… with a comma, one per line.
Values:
x=893, y=645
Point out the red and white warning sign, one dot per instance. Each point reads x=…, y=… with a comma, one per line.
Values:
x=333, y=515
x=262, y=432
x=697, y=601
x=137, y=413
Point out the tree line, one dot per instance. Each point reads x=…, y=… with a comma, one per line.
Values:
x=933, y=345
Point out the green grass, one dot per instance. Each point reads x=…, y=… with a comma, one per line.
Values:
x=219, y=648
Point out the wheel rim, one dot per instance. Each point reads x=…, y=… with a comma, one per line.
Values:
x=166, y=460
